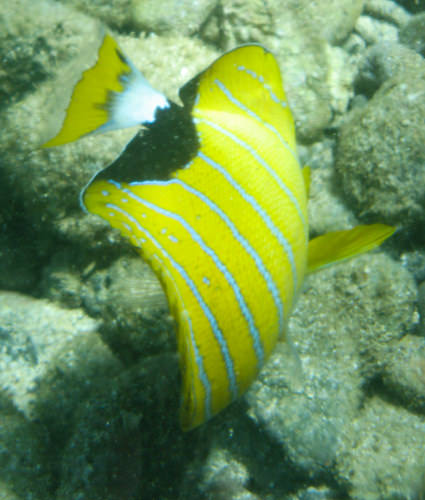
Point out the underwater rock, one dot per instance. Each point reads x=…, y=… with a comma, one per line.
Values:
x=151, y=16
x=39, y=339
x=342, y=328
x=115, y=13
x=326, y=210
x=25, y=472
x=374, y=30
x=169, y=16
x=243, y=21
x=61, y=280
x=18, y=265
x=414, y=261
x=125, y=441
x=181, y=58
x=387, y=10
x=315, y=493
x=381, y=296
x=307, y=419
x=34, y=36
x=225, y=478
x=411, y=5
x=404, y=373
x=413, y=34
x=51, y=360
x=301, y=43
x=342, y=21
x=383, y=457
x=382, y=62
x=380, y=151
x=46, y=183
x=421, y=308
x=128, y=298
x=238, y=460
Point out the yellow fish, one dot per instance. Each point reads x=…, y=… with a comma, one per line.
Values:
x=213, y=196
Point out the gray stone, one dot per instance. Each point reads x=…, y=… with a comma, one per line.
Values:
x=46, y=183
x=61, y=280
x=380, y=151
x=412, y=5
x=316, y=493
x=246, y=21
x=301, y=42
x=387, y=10
x=129, y=300
x=38, y=338
x=343, y=328
x=51, y=359
x=18, y=259
x=124, y=442
x=382, y=62
x=413, y=34
x=25, y=472
x=421, y=307
x=225, y=477
x=341, y=333
x=384, y=456
x=326, y=210
x=404, y=373
x=171, y=16
x=373, y=30
x=414, y=261
x=115, y=13
x=33, y=38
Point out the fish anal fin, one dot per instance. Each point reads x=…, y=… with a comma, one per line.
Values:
x=340, y=245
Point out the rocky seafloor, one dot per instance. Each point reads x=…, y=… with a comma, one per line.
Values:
x=88, y=367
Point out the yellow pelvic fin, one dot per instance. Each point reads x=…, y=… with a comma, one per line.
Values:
x=110, y=95
x=339, y=245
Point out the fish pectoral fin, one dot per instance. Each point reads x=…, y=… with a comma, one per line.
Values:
x=340, y=245
x=110, y=95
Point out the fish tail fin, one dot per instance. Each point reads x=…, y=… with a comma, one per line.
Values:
x=340, y=245
x=112, y=94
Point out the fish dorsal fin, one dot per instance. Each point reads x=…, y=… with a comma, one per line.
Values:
x=340, y=245
x=110, y=95
x=245, y=81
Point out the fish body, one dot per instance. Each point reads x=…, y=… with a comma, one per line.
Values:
x=222, y=220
